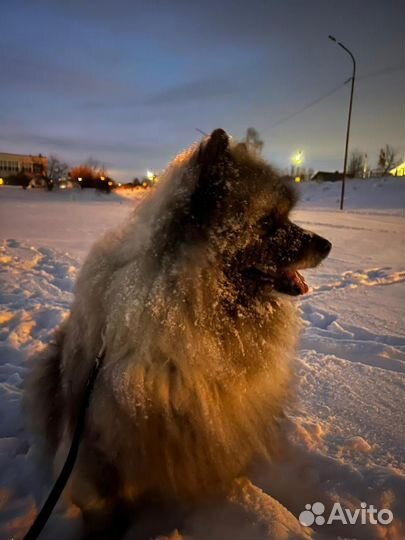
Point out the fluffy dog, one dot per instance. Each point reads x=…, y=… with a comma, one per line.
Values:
x=194, y=297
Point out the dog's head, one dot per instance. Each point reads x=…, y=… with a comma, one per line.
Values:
x=239, y=206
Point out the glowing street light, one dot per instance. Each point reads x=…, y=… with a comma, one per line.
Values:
x=298, y=158
x=342, y=196
x=150, y=175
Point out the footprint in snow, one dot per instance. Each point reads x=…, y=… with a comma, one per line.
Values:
x=369, y=278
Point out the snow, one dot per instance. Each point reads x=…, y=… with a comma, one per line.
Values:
x=67, y=220
x=347, y=432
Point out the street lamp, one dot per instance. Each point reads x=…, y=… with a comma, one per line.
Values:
x=297, y=160
x=298, y=157
x=348, y=119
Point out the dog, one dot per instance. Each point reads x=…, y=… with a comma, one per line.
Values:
x=194, y=297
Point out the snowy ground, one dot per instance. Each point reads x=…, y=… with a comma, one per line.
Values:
x=347, y=434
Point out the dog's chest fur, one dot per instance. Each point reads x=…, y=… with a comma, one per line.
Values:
x=193, y=393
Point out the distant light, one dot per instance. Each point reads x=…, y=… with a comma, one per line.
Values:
x=399, y=170
x=110, y=183
x=63, y=186
x=297, y=179
x=102, y=178
x=150, y=175
x=298, y=157
x=1, y=181
x=119, y=184
x=79, y=179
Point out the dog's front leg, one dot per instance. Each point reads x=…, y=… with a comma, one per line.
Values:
x=94, y=488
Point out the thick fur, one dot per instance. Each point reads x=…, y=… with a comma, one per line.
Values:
x=198, y=363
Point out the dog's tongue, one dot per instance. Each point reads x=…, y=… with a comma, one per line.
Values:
x=299, y=281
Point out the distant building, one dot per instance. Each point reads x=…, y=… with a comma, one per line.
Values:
x=324, y=176
x=12, y=164
x=399, y=170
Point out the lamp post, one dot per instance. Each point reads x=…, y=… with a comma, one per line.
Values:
x=342, y=196
x=297, y=160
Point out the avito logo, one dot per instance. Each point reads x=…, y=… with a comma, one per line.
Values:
x=314, y=513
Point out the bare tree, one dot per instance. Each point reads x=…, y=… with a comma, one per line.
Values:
x=93, y=164
x=84, y=175
x=387, y=159
x=253, y=141
x=56, y=168
x=356, y=164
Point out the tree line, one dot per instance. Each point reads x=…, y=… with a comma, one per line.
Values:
x=94, y=175
x=359, y=166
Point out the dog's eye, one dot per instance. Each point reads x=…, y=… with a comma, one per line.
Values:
x=267, y=224
x=265, y=221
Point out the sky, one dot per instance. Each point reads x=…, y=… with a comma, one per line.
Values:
x=129, y=82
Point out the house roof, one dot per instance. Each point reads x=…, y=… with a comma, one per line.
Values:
x=327, y=175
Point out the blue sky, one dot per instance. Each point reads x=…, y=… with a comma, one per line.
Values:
x=127, y=82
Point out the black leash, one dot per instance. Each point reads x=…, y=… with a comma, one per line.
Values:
x=53, y=497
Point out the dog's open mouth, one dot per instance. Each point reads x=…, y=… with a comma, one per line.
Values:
x=284, y=276
x=286, y=281
x=291, y=282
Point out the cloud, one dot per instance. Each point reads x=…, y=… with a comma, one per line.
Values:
x=124, y=159
x=205, y=23
x=200, y=90
x=77, y=144
x=26, y=71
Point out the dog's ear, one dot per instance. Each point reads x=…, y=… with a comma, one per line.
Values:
x=208, y=195
x=212, y=150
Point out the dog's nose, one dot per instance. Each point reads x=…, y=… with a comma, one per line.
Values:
x=323, y=246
